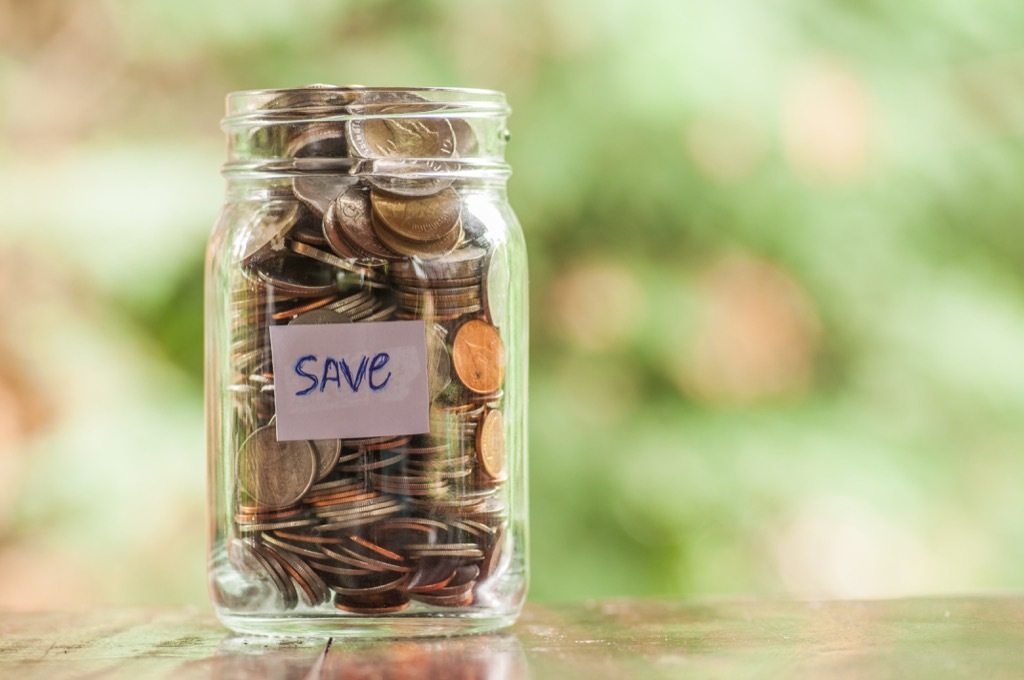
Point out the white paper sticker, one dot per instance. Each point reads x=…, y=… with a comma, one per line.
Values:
x=336, y=381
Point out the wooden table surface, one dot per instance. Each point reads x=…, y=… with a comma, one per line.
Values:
x=976, y=637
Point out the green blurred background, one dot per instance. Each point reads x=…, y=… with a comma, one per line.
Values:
x=777, y=279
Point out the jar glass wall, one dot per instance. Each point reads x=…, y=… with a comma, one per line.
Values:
x=366, y=356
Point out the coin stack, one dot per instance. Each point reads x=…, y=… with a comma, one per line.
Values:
x=372, y=524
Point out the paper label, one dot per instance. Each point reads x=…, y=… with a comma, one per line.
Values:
x=345, y=380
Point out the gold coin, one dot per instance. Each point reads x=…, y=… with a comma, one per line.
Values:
x=423, y=249
x=398, y=136
x=419, y=219
x=490, y=445
x=478, y=356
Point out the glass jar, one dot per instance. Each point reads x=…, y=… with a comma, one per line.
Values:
x=366, y=366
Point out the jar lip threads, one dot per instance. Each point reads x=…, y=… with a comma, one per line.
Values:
x=407, y=139
x=366, y=338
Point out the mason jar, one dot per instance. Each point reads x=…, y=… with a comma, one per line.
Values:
x=366, y=366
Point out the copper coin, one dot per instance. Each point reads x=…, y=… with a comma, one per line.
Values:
x=297, y=549
x=292, y=573
x=308, y=580
x=391, y=583
x=299, y=309
x=493, y=558
x=373, y=607
x=490, y=445
x=478, y=356
x=432, y=574
x=419, y=219
x=278, y=575
x=275, y=474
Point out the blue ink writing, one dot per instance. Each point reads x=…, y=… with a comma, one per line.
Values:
x=299, y=371
x=359, y=374
x=330, y=363
x=377, y=364
x=368, y=370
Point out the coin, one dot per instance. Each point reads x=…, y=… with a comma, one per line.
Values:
x=327, y=453
x=311, y=98
x=268, y=225
x=308, y=228
x=409, y=177
x=466, y=141
x=348, y=227
x=422, y=249
x=495, y=554
x=478, y=356
x=388, y=602
x=319, y=191
x=331, y=259
x=305, y=307
x=370, y=226
x=292, y=274
x=462, y=267
x=275, y=474
x=319, y=317
x=439, y=362
x=312, y=585
x=490, y=445
x=390, y=130
x=426, y=219
x=277, y=574
x=496, y=288
x=319, y=140
x=390, y=583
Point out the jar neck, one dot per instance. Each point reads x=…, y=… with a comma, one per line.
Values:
x=406, y=136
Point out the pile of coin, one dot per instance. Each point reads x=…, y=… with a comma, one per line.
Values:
x=372, y=524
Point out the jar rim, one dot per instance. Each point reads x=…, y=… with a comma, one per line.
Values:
x=478, y=92
x=340, y=102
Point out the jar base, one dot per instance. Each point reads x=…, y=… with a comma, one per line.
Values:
x=319, y=626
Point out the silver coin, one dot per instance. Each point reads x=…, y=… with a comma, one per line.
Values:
x=319, y=140
x=348, y=227
x=327, y=453
x=409, y=177
x=275, y=473
x=267, y=228
x=439, y=361
x=293, y=274
x=496, y=287
x=319, y=191
x=319, y=317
